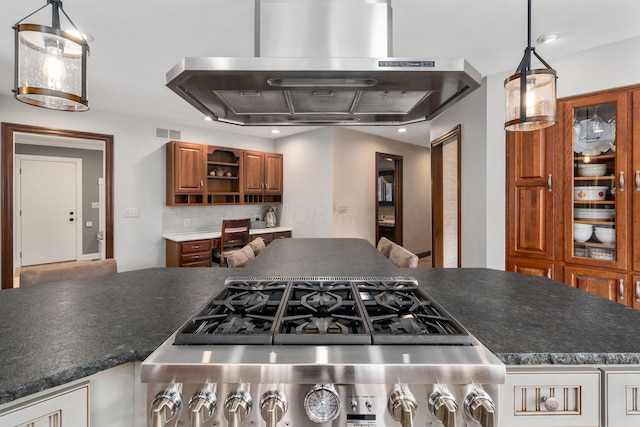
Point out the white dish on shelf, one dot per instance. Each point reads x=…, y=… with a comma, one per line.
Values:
x=605, y=254
x=591, y=169
x=593, y=146
x=595, y=213
x=596, y=192
x=582, y=232
x=605, y=235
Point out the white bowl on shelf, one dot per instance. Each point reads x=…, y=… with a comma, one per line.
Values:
x=605, y=235
x=596, y=192
x=591, y=169
x=582, y=232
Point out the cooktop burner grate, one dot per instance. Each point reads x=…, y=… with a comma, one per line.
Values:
x=322, y=311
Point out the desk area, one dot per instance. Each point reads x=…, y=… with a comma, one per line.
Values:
x=194, y=249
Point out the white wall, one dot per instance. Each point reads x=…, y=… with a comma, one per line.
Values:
x=355, y=188
x=139, y=170
x=308, y=183
x=471, y=114
x=605, y=67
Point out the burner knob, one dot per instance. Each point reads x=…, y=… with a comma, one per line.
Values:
x=402, y=406
x=166, y=406
x=237, y=406
x=202, y=406
x=479, y=407
x=273, y=406
x=443, y=406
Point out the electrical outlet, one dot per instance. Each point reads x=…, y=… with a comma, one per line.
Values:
x=89, y=224
x=256, y=217
x=131, y=212
x=186, y=222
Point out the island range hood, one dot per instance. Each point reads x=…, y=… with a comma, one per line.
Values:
x=322, y=62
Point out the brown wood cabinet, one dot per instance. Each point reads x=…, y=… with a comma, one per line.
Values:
x=208, y=175
x=197, y=253
x=588, y=232
x=262, y=181
x=185, y=173
x=532, y=190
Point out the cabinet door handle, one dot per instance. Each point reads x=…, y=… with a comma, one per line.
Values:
x=621, y=288
x=549, y=183
x=621, y=181
x=548, y=273
x=638, y=290
x=637, y=180
x=201, y=184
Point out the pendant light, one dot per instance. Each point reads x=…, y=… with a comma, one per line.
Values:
x=530, y=95
x=51, y=64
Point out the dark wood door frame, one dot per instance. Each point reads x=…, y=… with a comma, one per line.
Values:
x=454, y=136
x=8, y=136
x=397, y=195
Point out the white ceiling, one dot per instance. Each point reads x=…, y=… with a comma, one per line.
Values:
x=137, y=42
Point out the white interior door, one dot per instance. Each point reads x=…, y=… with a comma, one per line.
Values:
x=48, y=199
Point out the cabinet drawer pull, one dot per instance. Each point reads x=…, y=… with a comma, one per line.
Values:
x=621, y=181
x=638, y=290
x=621, y=288
x=195, y=246
x=637, y=180
x=549, y=183
x=196, y=257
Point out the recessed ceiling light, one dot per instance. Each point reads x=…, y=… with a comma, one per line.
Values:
x=207, y=118
x=276, y=131
x=402, y=130
x=548, y=38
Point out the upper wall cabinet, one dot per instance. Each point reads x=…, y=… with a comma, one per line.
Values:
x=186, y=173
x=207, y=175
x=262, y=177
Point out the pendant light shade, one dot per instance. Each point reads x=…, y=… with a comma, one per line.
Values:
x=51, y=64
x=530, y=95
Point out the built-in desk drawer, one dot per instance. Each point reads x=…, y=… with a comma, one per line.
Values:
x=282, y=235
x=550, y=396
x=195, y=246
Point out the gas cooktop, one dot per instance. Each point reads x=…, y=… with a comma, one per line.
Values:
x=322, y=311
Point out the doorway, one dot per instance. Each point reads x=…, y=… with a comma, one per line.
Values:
x=48, y=217
x=9, y=133
x=446, y=205
x=389, y=197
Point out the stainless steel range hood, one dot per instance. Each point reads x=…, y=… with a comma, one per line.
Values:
x=311, y=74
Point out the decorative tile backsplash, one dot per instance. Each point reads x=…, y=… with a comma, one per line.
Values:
x=190, y=219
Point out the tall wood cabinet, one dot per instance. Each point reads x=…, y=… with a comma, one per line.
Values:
x=584, y=228
x=208, y=175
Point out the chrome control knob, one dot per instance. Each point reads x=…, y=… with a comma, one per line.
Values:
x=202, y=405
x=273, y=406
x=166, y=406
x=402, y=405
x=237, y=406
x=479, y=407
x=443, y=406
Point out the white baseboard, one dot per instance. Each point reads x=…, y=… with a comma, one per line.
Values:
x=86, y=257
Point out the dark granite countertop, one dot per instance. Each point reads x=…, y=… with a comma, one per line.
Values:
x=54, y=333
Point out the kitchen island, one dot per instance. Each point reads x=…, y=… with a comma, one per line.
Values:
x=56, y=333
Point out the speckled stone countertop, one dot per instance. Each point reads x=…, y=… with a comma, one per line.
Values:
x=55, y=333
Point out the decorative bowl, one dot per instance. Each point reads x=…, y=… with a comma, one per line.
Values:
x=591, y=169
x=598, y=192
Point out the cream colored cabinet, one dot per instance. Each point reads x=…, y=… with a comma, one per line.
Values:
x=621, y=396
x=66, y=408
x=550, y=396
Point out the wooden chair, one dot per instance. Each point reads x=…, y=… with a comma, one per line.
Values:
x=234, y=235
x=80, y=270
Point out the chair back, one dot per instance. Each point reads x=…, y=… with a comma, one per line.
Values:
x=234, y=233
x=403, y=258
x=79, y=270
